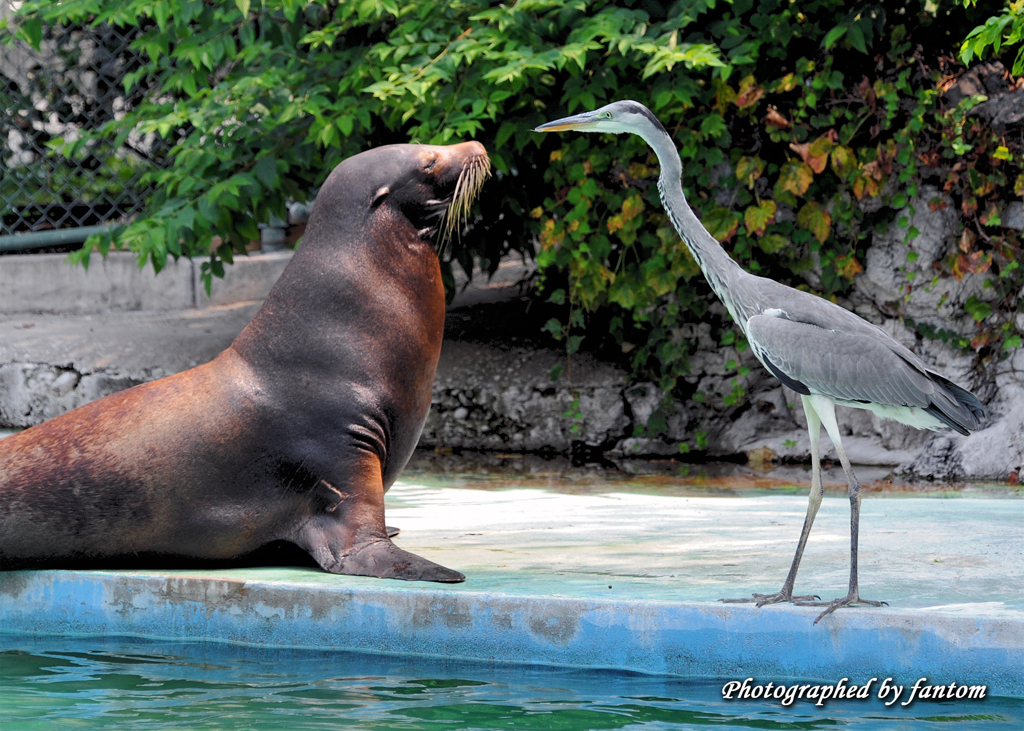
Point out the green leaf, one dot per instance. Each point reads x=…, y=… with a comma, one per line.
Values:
x=506, y=130
x=554, y=326
x=834, y=35
x=243, y=7
x=977, y=309
x=773, y=243
x=856, y=38
x=557, y=297
x=713, y=126
x=31, y=30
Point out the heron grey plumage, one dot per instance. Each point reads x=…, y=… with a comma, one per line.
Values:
x=822, y=351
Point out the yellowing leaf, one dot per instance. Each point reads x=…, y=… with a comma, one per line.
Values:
x=844, y=161
x=722, y=223
x=984, y=186
x=749, y=94
x=815, y=219
x=638, y=171
x=866, y=185
x=756, y=218
x=786, y=83
x=724, y=95
x=632, y=207
x=796, y=177
x=848, y=266
x=549, y=237
x=748, y=170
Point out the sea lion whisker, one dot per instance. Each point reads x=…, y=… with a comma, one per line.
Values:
x=471, y=179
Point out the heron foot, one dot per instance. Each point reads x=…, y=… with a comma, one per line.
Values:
x=765, y=599
x=849, y=600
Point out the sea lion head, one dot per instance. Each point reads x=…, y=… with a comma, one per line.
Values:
x=423, y=191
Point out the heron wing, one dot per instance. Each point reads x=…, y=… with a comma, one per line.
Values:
x=852, y=367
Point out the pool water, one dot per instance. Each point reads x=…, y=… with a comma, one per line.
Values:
x=107, y=683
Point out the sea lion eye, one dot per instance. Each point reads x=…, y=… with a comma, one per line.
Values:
x=430, y=165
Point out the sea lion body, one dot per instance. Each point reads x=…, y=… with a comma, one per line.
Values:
x=294, y=432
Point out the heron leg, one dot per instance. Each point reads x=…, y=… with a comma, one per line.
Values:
x=814, y=502
x=825, y=408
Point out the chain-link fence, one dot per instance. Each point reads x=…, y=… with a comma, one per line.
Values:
x=73, y=83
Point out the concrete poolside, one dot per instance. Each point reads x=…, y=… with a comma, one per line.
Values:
x=615, y=573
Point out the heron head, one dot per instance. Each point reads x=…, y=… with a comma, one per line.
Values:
x=617, y=118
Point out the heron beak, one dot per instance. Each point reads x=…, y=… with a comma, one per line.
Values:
x=583, y=121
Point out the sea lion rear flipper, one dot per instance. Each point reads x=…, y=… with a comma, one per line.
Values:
x=349, y=537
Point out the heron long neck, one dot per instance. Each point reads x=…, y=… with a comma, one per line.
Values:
x=718, y=267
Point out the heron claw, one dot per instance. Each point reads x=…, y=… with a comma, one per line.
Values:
x=764, y=599
x=846, y=601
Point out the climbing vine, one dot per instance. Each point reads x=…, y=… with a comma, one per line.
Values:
x=794, y=173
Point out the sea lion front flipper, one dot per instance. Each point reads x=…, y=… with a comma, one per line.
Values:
x=385, y=560
x=348, y=536
x=392, y=531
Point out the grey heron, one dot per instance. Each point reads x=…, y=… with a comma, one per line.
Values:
x=823, y=352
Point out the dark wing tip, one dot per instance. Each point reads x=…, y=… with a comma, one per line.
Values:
x=961, y=411
x=787, y=380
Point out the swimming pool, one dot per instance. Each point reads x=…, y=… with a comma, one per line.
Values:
x=104, y=683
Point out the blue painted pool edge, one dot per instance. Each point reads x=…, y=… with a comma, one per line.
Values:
x=685, y=638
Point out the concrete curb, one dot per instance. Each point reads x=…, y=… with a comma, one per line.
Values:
x=687, y=639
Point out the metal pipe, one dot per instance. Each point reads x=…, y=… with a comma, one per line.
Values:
x=42, y=239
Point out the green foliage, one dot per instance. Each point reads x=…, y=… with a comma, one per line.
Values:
x=261, y=100
x=789, y=116
x=999, y=31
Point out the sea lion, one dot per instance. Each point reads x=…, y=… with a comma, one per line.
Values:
x=293, y=433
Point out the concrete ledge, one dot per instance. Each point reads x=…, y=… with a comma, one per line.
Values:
x=46, y=283
x=41, y=283
x=605, y=573
x=249, y=278
x=689, y=639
